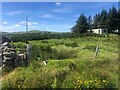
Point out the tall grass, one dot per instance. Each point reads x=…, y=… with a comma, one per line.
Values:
x=71, y=64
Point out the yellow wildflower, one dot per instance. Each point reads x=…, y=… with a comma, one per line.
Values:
x=90, y=81
x=104, y=81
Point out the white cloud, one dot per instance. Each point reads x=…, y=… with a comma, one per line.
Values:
x=35, y=23
x=29, y=23
x=11, y=28
x=48, y=16
x=0, y=28
x=23, y=22
x=5, y=22
x=32, y=23
x=12, y=13
x=47, y=28
x=58, y=3
x=61, y=10
x=17, y=25
x=20, y=26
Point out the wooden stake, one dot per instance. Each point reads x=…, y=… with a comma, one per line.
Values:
x=45, y=63
x=96, y=52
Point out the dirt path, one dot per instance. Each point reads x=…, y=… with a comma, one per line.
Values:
x=1, y=77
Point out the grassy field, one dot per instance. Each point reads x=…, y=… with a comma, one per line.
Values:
x=71, y=64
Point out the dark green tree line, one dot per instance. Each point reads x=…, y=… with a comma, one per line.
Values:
x=81, y=26
x=119, y=21
x=105, y=19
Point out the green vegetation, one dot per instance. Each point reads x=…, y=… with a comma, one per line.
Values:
x=104, y=19
x=71, y=64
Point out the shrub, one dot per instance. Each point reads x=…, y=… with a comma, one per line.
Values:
x=91, y=47
x=59, y=78
x=18, y=45
x=46, y=48
x=6, y=70
x=44, y=41
x=45, y=52
x=66, y=54
x=74, y=44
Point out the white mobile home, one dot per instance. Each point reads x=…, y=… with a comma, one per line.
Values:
x=100, y=31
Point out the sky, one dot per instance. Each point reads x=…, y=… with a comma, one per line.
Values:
x=48, y=16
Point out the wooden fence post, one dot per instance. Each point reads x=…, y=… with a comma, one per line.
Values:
x=96, y=52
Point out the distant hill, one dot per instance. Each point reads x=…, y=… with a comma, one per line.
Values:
x=37, y=31
x=4, y=39
x=4, y=33
x=41, y=31
x=31, y=31
x=35, y=35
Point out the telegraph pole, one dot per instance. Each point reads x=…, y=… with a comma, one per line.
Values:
x=27, y=25
x=26, y=28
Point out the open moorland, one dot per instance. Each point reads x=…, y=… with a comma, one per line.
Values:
x=71, y=64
